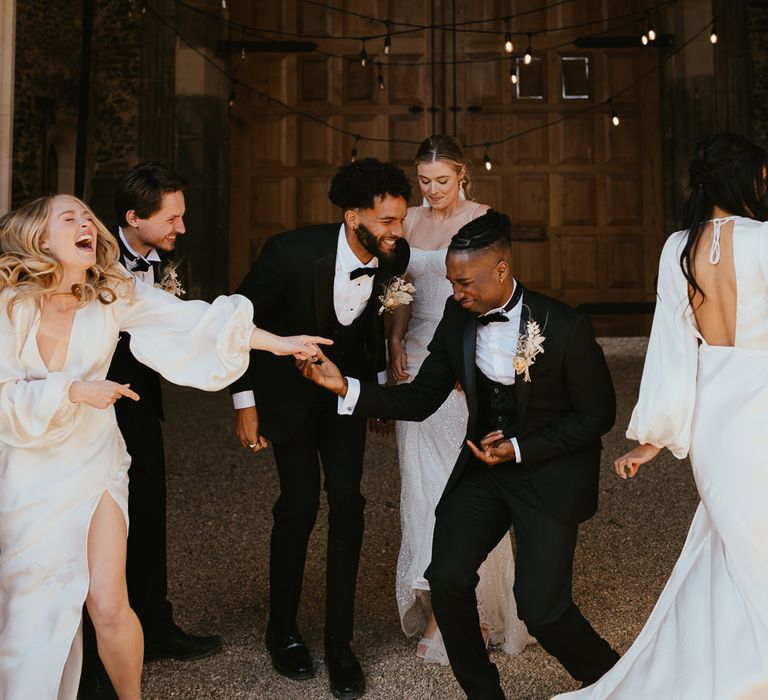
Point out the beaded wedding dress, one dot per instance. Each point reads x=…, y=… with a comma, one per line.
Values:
x=707, y=637
x=58, y=459
x=428, y=452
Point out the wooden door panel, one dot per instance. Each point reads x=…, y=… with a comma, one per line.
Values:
x=586, y=190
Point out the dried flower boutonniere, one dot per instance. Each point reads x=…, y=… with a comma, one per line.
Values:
x=529, y=344
x=169, y=281
x=396, y=293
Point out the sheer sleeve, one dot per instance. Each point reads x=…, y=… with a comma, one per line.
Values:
x=664, y=410
x=191, y=343
x=33, y=412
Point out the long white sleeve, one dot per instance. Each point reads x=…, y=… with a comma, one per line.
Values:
x=191, y=343
x=664, y=410
x=33, y=411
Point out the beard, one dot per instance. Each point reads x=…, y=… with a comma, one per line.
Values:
x=371, y=243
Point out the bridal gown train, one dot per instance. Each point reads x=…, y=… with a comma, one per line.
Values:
x=428, y=452
x=57, y=459
x=707, y=637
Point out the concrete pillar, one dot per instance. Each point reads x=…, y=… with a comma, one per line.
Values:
x=7, y=75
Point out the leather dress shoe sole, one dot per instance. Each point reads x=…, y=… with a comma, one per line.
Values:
x=292, y=661
x=190, y=648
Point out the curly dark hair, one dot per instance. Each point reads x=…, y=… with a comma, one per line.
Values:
x=355, y=186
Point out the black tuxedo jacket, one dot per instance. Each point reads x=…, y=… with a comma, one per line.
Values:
x=562, y=412
x=291, y=288
x=125, y=368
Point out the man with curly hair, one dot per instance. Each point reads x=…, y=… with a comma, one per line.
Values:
x=322, y=279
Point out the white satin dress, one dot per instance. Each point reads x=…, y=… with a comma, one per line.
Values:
x=57, y=459
x=428, y=452
x=707, y=637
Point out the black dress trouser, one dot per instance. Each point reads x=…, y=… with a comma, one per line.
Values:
x=336, y=444
x=470, y=521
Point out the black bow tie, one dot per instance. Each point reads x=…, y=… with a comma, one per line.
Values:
x=495, y=317
x=139, y=265
x=370, y=271
x=500, y=316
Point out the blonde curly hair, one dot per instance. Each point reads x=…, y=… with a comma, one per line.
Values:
x=33, y=272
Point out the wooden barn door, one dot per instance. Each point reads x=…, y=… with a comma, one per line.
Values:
x=584, y=195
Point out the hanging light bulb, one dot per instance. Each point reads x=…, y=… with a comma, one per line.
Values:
x=487, y=159
x=528, y=52
x=508, y=45
x=223, y=4
x=387, y=44
x=615, y=116
x=353, y=152
x=713, y=35
x=232, y=97
x=363, y=55
x=513, y=74
x=381, y=79
x=651, y=33
x=143, y=7
x=644, y=40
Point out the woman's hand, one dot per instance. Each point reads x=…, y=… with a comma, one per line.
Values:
x=302, y=347
x=398, y=360
x=99, y=394
x=628, y=464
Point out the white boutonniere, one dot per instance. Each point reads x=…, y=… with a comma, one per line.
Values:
x=396, y=293
x=529, y=344
x=169, y=281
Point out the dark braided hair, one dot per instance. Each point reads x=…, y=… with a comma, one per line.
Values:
x=355, y=186
x=727, y=171
x=490, y=229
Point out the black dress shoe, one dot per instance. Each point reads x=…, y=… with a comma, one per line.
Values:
x=95, y=684
x=174, y=643
x=344, y=672
x=290, y=656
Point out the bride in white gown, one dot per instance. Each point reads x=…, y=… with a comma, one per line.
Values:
x=704, y=394
x=63, y=463
x=428, y=450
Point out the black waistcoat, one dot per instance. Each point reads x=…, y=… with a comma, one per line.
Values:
x=348, y=349
x=496, y=407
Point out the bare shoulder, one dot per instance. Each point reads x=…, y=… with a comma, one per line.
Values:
x=479, y=210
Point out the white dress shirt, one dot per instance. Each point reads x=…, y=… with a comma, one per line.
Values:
x=495, y=349
x=147, y=275
x=350, y=297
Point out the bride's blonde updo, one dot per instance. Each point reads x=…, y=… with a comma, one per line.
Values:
x=33, y=272
x=446, y=149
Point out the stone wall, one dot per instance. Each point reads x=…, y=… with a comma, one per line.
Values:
x=45, y=93
x=758, y=50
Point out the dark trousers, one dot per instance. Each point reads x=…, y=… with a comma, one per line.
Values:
x=471, y=520
x=336, y=443
x=146, y=566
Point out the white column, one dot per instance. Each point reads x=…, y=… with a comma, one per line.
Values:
x=7, y=73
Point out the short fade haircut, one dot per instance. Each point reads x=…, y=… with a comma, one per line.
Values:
x=142, y=188
x=491, y=230
x=355, y=186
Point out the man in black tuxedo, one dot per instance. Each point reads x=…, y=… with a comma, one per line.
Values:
x=531, y=456
x=149, y=207
x=325, y=280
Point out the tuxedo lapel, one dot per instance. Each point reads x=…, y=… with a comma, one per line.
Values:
x=469, y=347
x=325, y=270
x=523, y=388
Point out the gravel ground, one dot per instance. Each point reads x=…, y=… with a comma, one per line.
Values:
x=219, y=505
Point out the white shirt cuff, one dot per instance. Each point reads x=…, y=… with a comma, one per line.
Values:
x=347, y=403
x=518, y=456
x=382, y=377
x=243, y=399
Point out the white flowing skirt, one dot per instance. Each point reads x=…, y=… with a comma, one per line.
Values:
x=707, y=637
x=47, y=499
